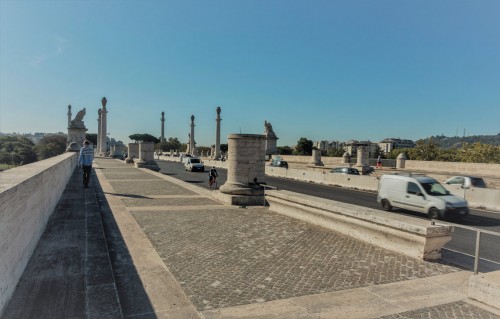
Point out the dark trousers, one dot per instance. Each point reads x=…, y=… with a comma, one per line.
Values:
x=86, y=174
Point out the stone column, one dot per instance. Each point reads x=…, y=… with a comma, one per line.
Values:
x=98, y=146
x=245, y=165
x=316, y=157
x=69, y=116
x=362, y=163
x=133, y=152
x=217, y=135
x=103, y=143
x=191, y=137
x=162, y=138
x=401, y=161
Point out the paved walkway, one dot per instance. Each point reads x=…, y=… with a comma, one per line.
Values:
x=139, y=244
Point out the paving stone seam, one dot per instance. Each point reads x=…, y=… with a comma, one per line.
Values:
x=175, y=208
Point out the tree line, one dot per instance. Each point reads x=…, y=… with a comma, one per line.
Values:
x=19, y=150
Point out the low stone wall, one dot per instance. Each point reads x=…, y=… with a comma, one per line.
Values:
x=408, y=236
x=486, y=288
x=28, y=196
x=455, y=168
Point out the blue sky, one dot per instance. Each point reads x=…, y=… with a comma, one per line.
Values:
x=324, y=70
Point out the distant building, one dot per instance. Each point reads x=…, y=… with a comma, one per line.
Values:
x=352, y=147
x=321, y=145
x=388, y=144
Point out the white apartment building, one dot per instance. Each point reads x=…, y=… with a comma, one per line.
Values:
x=388, y=144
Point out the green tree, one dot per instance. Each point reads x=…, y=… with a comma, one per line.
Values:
x=424, y=150
x=139, y=138
x=172, y=143
x=304, y=147
x=284, y=150
x=92, y=138
x=50, y=146
x=479, y=153
x=15, y=150
x=335, y=152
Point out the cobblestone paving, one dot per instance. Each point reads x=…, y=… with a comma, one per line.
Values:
x=453, y=310
x=202, y=201
x=232, y=257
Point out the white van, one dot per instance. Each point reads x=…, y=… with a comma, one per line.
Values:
x=421, y=194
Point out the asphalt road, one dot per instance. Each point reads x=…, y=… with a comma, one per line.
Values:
x=458, y=251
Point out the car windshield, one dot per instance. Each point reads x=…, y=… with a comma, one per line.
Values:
x=435, y=189
x=195, y=160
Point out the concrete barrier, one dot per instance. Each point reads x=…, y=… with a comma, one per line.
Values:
x=486, y=288
x=486, y=198
x=28, y=197
x=414, y=238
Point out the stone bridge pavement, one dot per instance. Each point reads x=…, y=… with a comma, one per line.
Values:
x=140, y=244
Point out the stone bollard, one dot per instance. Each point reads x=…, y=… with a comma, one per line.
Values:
x=146, y=156
x=362, y=163
x=400, y=161
x=316, y=157
x=245, y=167
x=133, y=152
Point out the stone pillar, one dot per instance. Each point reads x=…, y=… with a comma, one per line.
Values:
x=103, y=143
x=191, y=137
x=245, y=165
x=346, y=158
x=401, y=161
x=162, y=138
x=195, y=152
x=316, y=157
x=212, y=153
x=69, y=116
x=98, y=146
x=216, y=155
x=362, y=163
x=147, y=156
x=133, y=152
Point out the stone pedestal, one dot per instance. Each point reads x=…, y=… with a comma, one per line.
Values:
x=195, y=152
x=76, y=137
x=316, y=157
x=362, y=163
x=146, y=157
x=245, y=168
x=400, y=161
x=133, y=152
x=271, y=144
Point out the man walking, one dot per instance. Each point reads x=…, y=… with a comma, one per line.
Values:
x=85, y=161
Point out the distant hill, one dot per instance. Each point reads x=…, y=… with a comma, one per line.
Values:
x=455, y=142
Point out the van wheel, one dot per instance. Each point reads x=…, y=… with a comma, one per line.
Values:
x=433, y=213
x=386, y=205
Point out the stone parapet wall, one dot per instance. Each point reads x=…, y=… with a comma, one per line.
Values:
x=456, y=168
x=405, y=235
x=28, y=196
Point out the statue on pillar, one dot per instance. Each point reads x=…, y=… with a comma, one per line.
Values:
x=271, y=139
x=76, y=132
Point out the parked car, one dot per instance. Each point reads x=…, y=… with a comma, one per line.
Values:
x=194, y=164
x=466, y=181
x=345, y=170
x=421, y=194
x=279, y=164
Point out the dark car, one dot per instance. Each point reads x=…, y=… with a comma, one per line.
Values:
x=279, y=164
x=345, y=170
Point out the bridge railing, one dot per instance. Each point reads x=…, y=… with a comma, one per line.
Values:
x=28, y=197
